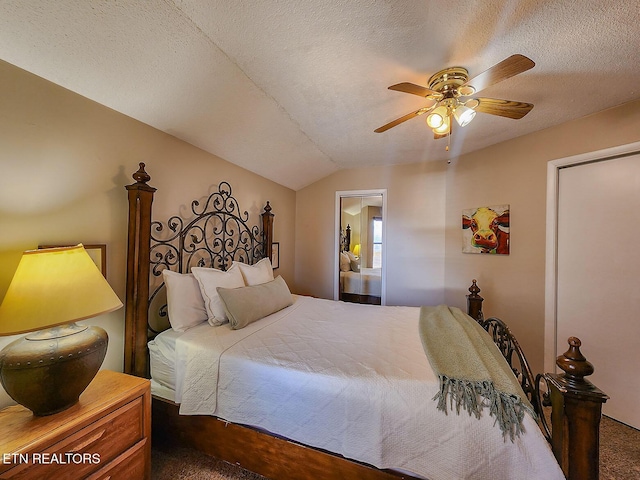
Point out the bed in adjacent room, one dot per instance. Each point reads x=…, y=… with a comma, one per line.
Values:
x=363, y=286
x=357, y=284
x=292, y=386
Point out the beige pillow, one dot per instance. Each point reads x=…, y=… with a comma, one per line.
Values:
x=209, y=280
x=245, y=305
x=184, y=300
x=354, y=262
x=345, y=262
x=257, y=273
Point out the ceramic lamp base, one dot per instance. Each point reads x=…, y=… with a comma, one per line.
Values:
x=46, y=371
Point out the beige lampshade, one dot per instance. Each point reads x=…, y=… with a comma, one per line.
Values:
x=55, y=286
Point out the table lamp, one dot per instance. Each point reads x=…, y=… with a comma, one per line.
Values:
x=47, y=370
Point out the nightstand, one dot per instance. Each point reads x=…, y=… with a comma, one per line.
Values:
x=106, y=435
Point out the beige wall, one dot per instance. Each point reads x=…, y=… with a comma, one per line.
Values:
x=425, y=261
x=64, y=163
x=414, y=230
x=515, y=173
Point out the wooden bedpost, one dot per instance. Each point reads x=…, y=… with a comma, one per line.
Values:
x=267, y=231
x=474, y=302
x=137, y=290
x=576, y=412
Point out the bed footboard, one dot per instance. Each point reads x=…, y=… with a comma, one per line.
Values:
x=576, y=411
x=576, y=404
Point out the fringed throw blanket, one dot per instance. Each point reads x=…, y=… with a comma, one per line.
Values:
x=473, y=373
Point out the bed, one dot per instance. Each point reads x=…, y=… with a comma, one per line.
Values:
x=362, y=286
x=345, y=405
x=357, y=284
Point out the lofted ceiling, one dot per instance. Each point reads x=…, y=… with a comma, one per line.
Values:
x=293, y=89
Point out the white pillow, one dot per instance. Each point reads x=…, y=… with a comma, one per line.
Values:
x=209, y=280
x=184, y=300
x=256, y=274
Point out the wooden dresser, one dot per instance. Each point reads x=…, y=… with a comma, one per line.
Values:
x=106, y=435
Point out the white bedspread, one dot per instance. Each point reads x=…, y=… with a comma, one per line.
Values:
x=198, y=352
x=324, y=374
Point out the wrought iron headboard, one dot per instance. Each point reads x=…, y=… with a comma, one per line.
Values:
x=216, y=233
x=345, y=239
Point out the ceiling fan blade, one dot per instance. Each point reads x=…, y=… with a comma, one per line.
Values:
x=503, y=108
x=414, y=89
x=406, y=117
x=507, y=68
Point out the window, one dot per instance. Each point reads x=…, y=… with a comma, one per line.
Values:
x=377, y=242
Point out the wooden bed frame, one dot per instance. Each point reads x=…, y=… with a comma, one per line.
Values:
x=576, y=403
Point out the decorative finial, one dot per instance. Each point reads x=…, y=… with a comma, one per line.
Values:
x=573, y=363
x=474, y=289
x=141, y=176
x=267, y=207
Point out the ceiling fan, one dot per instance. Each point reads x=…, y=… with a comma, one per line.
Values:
x=448, y=91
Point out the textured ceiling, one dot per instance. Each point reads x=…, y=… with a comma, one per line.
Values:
x=293, y=89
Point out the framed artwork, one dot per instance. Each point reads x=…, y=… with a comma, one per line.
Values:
x=97, y=252
x=275, y=255
x=486, y=230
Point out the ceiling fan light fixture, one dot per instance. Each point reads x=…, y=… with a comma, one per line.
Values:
x=463, y=115
x=444, y=128
x=437, y=118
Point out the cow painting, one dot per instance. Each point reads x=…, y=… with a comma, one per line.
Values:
x=486, y=230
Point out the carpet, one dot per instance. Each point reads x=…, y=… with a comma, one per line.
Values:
x=619, y=459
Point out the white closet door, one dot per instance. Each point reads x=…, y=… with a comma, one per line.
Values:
x=598, y=275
